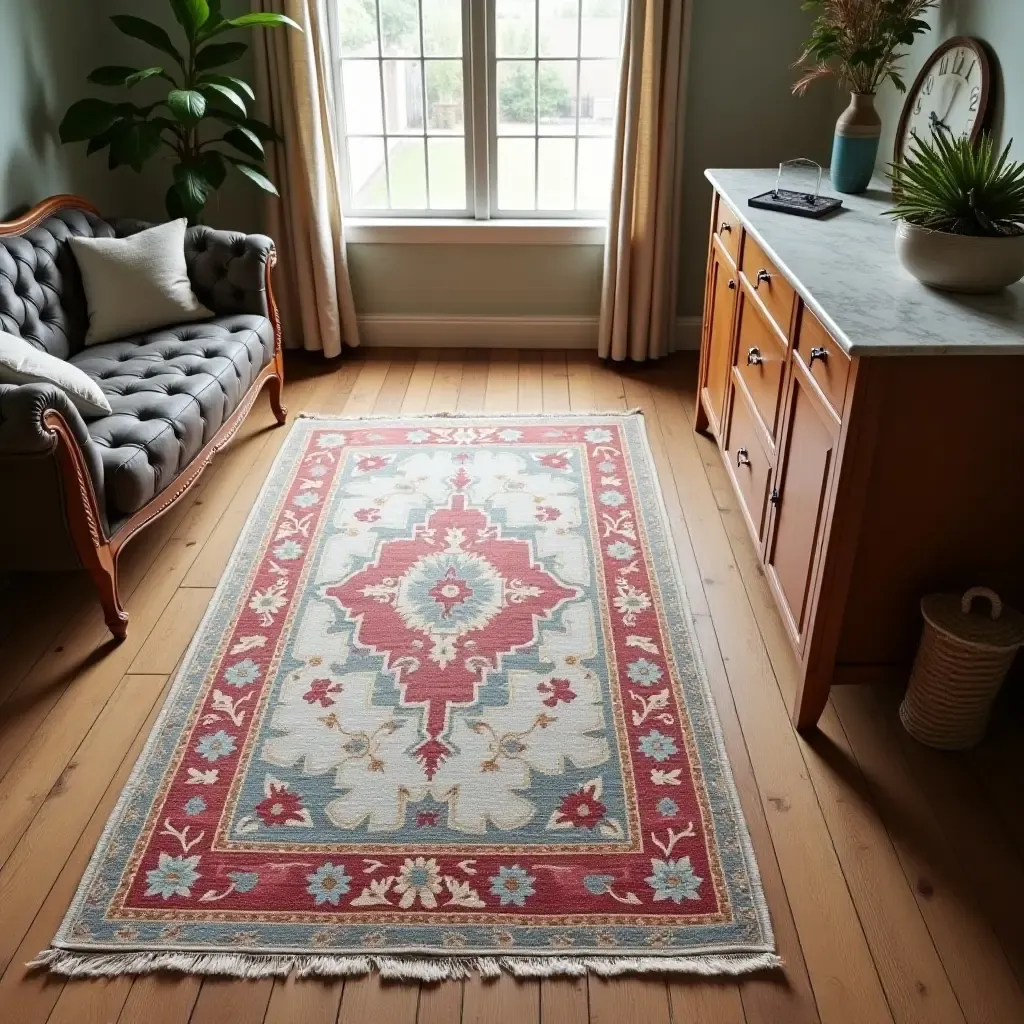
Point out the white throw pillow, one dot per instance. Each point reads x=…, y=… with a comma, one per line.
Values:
x=138, y=283
x=23, y=363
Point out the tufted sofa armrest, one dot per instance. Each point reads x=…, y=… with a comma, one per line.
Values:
x=228, y=270
x=33, y=520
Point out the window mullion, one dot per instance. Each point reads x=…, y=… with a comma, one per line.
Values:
x=480, y=17
x=423, y=86
x=536, y=105
x=576, y=138
x=383, y=104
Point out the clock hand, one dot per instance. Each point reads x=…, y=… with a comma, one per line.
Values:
x=936, y=122
x=952, y=96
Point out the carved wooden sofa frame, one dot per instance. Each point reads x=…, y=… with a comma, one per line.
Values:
x=96, y=546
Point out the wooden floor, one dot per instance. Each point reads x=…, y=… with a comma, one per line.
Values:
x=894, y=874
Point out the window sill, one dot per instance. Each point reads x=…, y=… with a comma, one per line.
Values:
x=437, y=231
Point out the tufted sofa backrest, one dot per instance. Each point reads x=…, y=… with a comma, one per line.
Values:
x=41, y=296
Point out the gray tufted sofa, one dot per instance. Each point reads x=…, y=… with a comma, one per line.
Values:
x=76, y=492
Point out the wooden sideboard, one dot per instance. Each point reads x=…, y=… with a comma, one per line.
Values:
x=872, y=464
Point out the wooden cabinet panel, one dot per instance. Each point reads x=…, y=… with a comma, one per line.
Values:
x=719, y=316
x=760, y=359
x=826, y=362
x=772, y=288
x=728, y=229
x=802, y=483
x=749, y=464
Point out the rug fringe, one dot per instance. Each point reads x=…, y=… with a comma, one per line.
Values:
x=396, y=968
x=414, y=417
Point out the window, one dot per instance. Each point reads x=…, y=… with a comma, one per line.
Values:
x=477, y=108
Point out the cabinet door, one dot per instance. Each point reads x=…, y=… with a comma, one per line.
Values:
x=721, y=304
x=810, y=436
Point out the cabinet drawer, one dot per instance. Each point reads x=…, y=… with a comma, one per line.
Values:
x=771, y=287
x=748, y=462
x=729, y=228
x=760, y=360
x=828, y=364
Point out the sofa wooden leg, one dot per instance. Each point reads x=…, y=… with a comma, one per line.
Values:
x=276, y=386
x=103, y=570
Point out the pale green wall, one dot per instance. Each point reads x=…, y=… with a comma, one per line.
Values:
x=43, y=47
x=741, y=111
x=519, y=280
x=1000, y=23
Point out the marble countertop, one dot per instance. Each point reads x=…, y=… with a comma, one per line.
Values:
x=846, y=269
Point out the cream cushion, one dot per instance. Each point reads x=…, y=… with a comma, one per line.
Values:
x=137, y=283
x=22, y=363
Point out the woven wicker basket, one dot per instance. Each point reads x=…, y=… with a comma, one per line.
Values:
x=961, y=663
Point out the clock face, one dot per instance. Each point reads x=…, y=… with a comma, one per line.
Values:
x=950, y=95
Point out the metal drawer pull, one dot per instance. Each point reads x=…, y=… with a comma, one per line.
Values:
x=732, y=284
x=754, y=357
x=742, y=457
x=762, y=275
x=819, y=353
x=724, y=227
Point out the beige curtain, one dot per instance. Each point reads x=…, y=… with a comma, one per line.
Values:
x=312, y=281
x=641, y=259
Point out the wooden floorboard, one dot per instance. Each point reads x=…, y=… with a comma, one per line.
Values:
x=893, y=873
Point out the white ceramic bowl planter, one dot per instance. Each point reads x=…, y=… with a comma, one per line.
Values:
x=960, y=263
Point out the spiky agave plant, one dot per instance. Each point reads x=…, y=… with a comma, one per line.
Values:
x=949, y=184
x=858, y=41
x=201, y=114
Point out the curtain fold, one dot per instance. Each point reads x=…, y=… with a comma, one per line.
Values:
x=641, y=259
x=293, y=71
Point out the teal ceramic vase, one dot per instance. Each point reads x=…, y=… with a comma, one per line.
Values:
x=855, y=146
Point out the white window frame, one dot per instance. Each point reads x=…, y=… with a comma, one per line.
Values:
x=481, y=221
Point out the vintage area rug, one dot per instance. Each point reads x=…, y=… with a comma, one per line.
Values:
x=445, y=713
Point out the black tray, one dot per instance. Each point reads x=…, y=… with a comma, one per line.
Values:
x=800, y=204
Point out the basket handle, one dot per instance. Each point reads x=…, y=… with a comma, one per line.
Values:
x=995, y=603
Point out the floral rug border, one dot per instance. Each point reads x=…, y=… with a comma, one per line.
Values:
x=67, y=957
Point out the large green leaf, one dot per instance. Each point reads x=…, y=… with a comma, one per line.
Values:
x=255, y=174
x=141, y=76
x=238, y=84
x=101, y=141
x=193, y=188
x=192, y=15
x=174, y=204
x=139, y=28
x=252, y=21
x=187, y=105
x=111, y=74
x=87, y=118
x=218, y=54
x=245, y=141
x=211, y=165
x=228, y=93
x=263, y=131
x=134, y=145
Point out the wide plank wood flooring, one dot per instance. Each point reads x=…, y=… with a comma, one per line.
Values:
x=894, y=874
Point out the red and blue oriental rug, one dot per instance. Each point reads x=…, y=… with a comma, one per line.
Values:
x=446, y=712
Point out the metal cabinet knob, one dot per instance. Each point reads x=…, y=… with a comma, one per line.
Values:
x=742, y=457
x=732, y=284
x=762, y=275
x=754, y=357
x=724, y=227
x=819, y=353
x=774, y=496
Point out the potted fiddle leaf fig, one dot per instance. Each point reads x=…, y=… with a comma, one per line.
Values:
x=960, y=213
x=202, y=112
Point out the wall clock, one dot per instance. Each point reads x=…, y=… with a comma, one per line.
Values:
x=951, y=93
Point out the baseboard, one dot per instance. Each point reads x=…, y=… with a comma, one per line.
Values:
x=378, y=330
